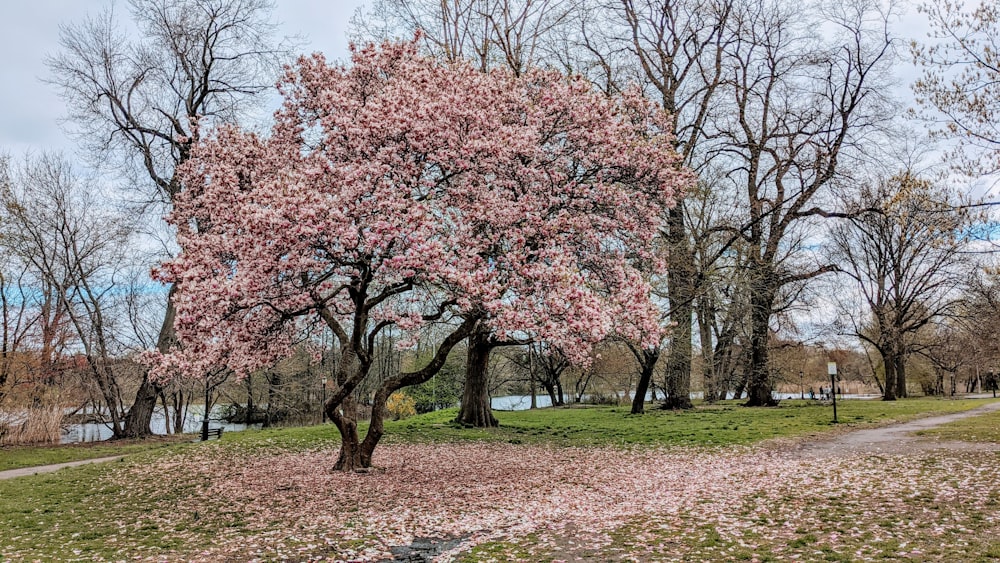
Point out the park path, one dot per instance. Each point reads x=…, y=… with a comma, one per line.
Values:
x=897, y=438
x=25, y=471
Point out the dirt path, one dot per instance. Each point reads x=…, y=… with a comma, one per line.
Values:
x=25, y=471
x=895, y=439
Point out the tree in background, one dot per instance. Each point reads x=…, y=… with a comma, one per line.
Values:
x=677, y=47
x=960, y=87
x=135, y=104
x=795, y=112
x=523, y=202
x=905, y=256
x=76, y=250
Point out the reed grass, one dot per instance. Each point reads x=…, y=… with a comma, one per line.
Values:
x=36, y=425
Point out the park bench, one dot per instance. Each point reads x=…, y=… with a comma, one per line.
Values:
x=212, y=433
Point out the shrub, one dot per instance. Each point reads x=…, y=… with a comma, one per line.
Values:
x=400, y=406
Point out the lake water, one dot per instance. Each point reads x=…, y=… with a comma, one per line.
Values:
x=95, y=432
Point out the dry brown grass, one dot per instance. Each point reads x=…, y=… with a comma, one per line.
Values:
x=37, y=425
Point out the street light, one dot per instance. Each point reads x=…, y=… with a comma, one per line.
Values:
x=802, y=389
x=322, y=408
x=831, y=368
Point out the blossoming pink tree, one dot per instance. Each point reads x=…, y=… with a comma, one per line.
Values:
x=399, y=191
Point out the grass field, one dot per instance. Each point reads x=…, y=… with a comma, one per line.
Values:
x=722, y=424
x=983, y=428
x=16, y=457
x=589, y=482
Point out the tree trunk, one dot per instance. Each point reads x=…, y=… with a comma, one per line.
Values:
x=680, y=288
x=476, y=410
x=355, y=455
x=140, y=414
x=649, y=358
x=345, y=417
x=759, y=380
x=531, y=377
x=550, y=390
x=708, y=383
x=249, y=417
x=273, y=382
x=166, y=415
x=901, y=375
x=889, y=364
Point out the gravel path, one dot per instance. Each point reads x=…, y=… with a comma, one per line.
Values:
x=25, y=471
x=897, y=439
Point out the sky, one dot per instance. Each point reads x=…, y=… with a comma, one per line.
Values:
x=30, y=109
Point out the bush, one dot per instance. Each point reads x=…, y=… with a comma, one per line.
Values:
x=400, y=406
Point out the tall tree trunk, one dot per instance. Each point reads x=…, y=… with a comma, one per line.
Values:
x=759, y=380
x=476, y=410
x=140, y=414
x=709, y=384
x=680, y=288
x=649, y=358
x=901, y=375
x=889, y=364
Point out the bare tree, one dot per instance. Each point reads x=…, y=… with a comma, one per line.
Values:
x=137, y=103
x=678, y=48
x=906, y=261
x=514, y=34
x=796, y=110
x=56, y=224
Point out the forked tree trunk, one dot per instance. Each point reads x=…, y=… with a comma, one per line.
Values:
x=476, y=410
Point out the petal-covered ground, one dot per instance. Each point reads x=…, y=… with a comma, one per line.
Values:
x=518, y=502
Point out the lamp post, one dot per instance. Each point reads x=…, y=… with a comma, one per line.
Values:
x=802, y=389
x=204, y=419
x=322, y=407
x=831, y=368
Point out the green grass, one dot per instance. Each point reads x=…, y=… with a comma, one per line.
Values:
x=982, y=428
x=722, y=424
x=16, y=457
x=79, y=514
